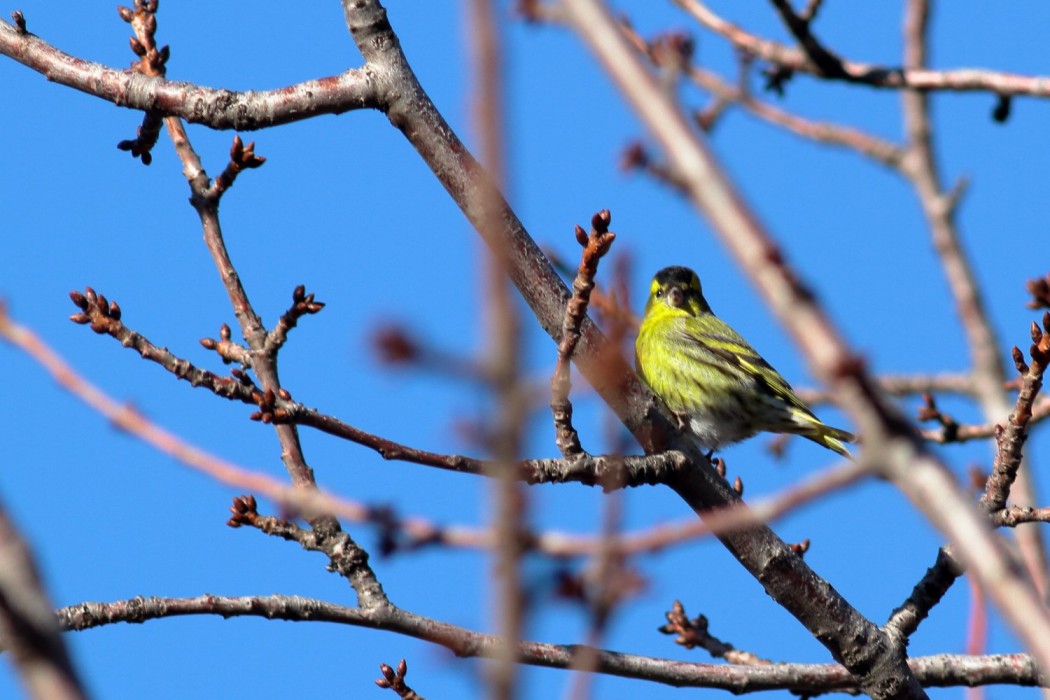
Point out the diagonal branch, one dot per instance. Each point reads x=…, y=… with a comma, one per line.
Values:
x=28, y=632
x=939, y=206
x=889, y=440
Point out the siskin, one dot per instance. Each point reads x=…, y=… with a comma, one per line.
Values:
x=720, y=389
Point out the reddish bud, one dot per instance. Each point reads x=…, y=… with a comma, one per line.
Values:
x=600, y=221
x=1019, y=362
x=394, y=345
x=634, y=157
x=581, y=236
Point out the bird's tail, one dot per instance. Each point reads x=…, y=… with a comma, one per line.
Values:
x=809, y=426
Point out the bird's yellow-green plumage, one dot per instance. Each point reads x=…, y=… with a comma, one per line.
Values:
x=721, y=390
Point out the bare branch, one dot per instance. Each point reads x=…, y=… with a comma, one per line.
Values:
x=105, y=316
x=215, y=108
x=1011, y=439
x=310, y=503
x=595, y=246
x=927, y=593
x=873, y=75
x=345, y=556
x=891, y=442
x=694, y=633
x=941, y=670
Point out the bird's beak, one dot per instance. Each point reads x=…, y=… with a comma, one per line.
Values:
x=675, y=297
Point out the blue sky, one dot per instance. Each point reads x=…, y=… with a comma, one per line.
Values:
x=346, y=207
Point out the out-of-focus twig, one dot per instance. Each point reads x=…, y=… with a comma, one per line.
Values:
x=134, y=423
x=503, y=357
x=1039, y=288
x=28, y=632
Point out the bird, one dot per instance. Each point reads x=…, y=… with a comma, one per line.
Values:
x=719, y=388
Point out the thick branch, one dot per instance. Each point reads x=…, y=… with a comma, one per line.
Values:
x=806, y=679
x=216, y=108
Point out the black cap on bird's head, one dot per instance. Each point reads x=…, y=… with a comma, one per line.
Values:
x=679, y=288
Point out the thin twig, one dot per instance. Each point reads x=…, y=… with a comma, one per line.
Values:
x=692, y=633
x=105, y=317
x=873, y=75
x=1012, y=437
x=927, y=593
x=395, y=680
x=595, y=245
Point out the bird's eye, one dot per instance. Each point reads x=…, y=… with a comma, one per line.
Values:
x=659, y=293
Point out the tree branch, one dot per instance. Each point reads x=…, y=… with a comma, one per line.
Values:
x=872, y=75
x=890, y=441
x=215, y=108
x=806, y=679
